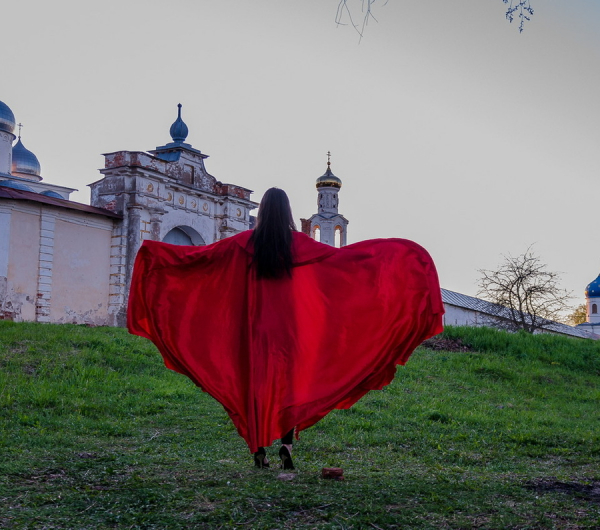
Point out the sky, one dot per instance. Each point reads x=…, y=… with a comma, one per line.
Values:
x=446, y=125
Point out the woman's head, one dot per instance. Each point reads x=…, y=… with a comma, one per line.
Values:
x=272, y=237
x=275, y=210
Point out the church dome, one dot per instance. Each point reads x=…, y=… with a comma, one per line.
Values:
x=179, y=130
x=24, y=161
x=329, y=180
x=7, y=118
x=593, y=289
x=15, y=185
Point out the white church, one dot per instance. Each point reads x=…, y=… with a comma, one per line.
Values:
x=67, y=262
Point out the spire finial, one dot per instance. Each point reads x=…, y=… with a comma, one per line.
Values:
x=328, y=159
x=20, y=125
x=179, y=130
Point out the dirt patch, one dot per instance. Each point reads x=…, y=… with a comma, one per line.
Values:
x=29, y=369
x=586, y=491
x=445, y=344
x=87, y=455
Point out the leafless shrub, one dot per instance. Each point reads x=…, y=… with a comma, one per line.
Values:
x=525, y=294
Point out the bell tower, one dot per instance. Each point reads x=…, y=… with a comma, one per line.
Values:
x=328, y=225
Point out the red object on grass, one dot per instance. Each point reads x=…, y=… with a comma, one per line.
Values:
x=279, y=353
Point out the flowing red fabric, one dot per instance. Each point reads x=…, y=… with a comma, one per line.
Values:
x=285, y=352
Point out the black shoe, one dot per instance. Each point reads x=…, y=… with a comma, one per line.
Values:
x=259, y=458
x=286, y=458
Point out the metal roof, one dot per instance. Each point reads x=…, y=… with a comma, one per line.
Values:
x=20, y=195
x=496, y=311
x=468, y=302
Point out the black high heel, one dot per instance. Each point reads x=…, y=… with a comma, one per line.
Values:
x=286, y=458
x=259, y=458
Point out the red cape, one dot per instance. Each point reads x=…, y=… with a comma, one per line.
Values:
x=283, y=353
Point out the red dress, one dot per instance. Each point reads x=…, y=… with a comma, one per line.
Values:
x=283, y=353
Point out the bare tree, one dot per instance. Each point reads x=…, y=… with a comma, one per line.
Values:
x=521, y=9
x=344, y=11
x=524, y=293
x=516, y=9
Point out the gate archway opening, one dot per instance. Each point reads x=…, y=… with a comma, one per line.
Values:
x=184, y=235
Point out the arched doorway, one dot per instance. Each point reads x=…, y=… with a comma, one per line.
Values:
x=183, y=235
x=338, y=236
x=316, y=233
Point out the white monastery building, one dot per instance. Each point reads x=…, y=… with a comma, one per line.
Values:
x=62, y=261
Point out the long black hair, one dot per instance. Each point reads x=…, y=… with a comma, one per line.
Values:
x=272, y=237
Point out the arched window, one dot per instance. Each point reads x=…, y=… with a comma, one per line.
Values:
x=338, y=236
x=184, y=235
x=594, y=309
x=316, y=233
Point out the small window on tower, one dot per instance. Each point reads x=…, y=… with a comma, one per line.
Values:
x=594, y=309
x=188, y=174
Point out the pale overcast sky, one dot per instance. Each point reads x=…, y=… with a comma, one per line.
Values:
x=445, y=124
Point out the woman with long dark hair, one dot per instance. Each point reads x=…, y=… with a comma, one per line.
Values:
x=281, y=329
x=272, y=258
x=272, y=236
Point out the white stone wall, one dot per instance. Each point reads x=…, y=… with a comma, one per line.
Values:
x=54, y=264
x=459, y=316
x=19, y=236
x=81, y=270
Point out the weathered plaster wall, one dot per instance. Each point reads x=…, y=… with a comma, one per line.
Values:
x=458, y=316
x=18, y=292
x=81, y=271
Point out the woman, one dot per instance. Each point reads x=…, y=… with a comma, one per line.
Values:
x=281, y=329
x=272, y=258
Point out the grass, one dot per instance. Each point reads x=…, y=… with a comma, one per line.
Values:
x=95, y=433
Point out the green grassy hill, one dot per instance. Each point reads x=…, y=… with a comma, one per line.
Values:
x=95, y=433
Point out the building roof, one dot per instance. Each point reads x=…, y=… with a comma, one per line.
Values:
x=466, y=302
x=31, y=196
x=496, y=311
x=15, y=184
